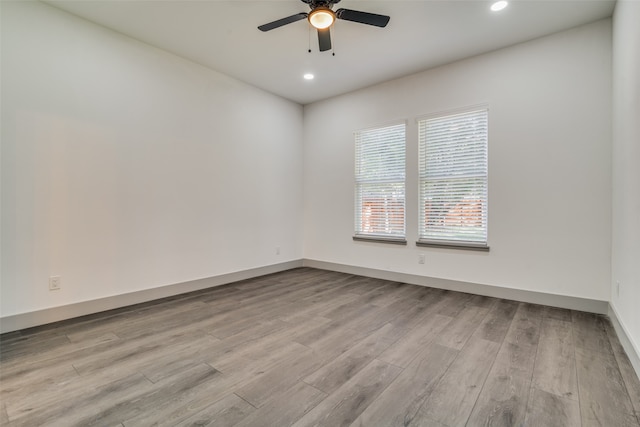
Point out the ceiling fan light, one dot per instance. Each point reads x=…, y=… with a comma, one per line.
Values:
x=321, y=18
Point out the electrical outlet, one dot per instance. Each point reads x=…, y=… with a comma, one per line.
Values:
x=618, y=288
x=55, y=283
x=421, y=259
x=277, y=250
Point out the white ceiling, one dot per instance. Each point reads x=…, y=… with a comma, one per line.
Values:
x=422, y=34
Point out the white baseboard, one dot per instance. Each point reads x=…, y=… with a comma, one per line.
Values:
x=629, y=345
x=54, y=314
x=49, y=315
x=553, y=300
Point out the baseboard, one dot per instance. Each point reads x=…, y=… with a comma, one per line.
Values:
x=553, y=300
x=49, y=315
x=630, y=346
x=54, y=314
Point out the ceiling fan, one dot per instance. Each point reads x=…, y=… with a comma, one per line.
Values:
x=322, y=17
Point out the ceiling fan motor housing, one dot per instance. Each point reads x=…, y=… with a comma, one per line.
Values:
x=320, y=3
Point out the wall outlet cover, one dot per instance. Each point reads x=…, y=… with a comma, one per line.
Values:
x=55, y=283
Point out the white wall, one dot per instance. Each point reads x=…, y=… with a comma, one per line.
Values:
x=549, y=166
x=626, y=173
x=127, y=168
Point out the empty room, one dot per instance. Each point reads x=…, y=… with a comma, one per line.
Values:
x=320, y=212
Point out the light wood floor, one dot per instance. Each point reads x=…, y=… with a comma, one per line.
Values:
x=311, y=347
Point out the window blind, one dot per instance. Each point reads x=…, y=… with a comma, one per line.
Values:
x=454, y=178
x=380, y=182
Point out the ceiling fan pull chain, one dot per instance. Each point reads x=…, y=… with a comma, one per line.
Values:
x=309, y=38
x=333, y=45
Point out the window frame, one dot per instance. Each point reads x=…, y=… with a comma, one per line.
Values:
x=377, y=237
x=430, y=241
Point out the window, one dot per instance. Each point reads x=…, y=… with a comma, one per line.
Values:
x=380, y=184
x=453, y=179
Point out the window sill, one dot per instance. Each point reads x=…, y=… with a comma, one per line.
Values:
x=374, y=239
x=453, y=245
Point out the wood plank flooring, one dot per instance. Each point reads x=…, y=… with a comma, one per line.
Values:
x=309, y=347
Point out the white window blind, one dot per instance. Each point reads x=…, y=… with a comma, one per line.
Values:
x=453, y=178
x=380, y=182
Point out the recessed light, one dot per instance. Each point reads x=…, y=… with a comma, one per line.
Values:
x=308, y=76
x=499, y=5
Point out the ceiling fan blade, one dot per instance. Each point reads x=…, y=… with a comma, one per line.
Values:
x=284, y=21
x=363, y=17
x=324, y=39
